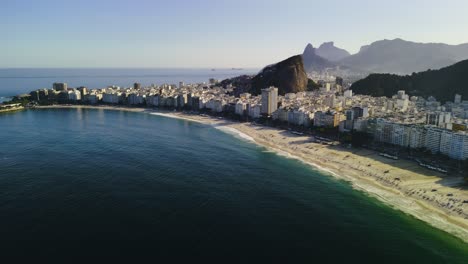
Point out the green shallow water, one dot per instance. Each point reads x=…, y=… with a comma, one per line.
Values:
x=116, y=184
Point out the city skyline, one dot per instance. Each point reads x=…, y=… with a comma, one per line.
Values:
x=181, y=34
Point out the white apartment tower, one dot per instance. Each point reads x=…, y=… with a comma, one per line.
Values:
x=269, y=100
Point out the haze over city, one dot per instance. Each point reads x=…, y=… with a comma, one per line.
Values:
x=205, y=33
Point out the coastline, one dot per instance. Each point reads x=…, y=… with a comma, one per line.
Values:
x=401, y=184
x=104, y=107
x=13, y=109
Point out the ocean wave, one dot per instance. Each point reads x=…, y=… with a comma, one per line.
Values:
x=235, y=132
x=166, y=115
x=288, y=155
x=226, y=129
x=169, y=115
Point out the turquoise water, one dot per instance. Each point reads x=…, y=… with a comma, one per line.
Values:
x=116, y=184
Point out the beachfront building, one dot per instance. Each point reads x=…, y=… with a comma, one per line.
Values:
x=269, y=100
x=110, y=98
x=60, y=86
x=454, y=145
x=327, y=119
x=74, y=95
x=417, y=137
x=136, y=99
x=254, y=110
x=433, y=138
x=413, y=122
x=182, y=100
x=240, y=108
x=93, y=97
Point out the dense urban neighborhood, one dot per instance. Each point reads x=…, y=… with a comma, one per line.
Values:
x=403, y=121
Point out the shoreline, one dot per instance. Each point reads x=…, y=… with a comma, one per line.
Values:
x=14, y=109
x=400, y=184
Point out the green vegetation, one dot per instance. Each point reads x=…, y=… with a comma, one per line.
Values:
x=23, y=100
x=442, y=84
x=311, y=85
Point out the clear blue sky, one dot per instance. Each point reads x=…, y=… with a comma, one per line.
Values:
x=210, y=33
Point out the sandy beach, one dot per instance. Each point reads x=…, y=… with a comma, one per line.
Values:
x=435, y=198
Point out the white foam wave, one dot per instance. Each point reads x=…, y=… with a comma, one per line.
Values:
x=166, y=115
x=176, y=117
x=235, y=132
x=288, y=155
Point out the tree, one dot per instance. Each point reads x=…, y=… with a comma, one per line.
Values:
x=311, y=85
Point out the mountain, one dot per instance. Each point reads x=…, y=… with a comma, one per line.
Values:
x=314, y=62
x=328, y=51
x=442, y=84
x=288, y=75
x=404, y=57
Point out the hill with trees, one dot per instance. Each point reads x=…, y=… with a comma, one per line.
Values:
x=442, y=84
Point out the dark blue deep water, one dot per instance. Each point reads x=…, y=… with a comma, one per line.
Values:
x=114, y=184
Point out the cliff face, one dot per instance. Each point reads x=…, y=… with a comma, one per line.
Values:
x=405, y=57
x=312, y=61
x=328, y=51
x=288, y=75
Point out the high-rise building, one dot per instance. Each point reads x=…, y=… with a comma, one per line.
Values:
x=327, y=119
x=360, y=112
x=34, y=95
x=439, y=119
x=269, y=100
x=60, y=86
x=74, y=95
x=349, y=115
x=433, y=137
x=83, y=90
x=339, y=81
x=43, y=94
x=330, y=101
x=240, y=108
x=417, y=137
x=348, y=93
x=137, y=86
x=458, y=98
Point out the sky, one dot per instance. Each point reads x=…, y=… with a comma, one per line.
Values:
x=210, y=33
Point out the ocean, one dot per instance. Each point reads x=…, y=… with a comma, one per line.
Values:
x=116, y=185
x=18, y=81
